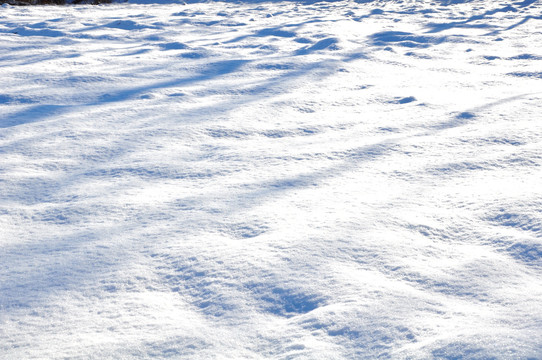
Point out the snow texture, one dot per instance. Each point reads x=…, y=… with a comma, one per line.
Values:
x=274, y=180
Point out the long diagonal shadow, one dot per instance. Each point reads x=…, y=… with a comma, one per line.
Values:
x=513, y=26
x=349, y=160
x=345, y=161
x=438, y=27
x=69, y=272
x=43, y=112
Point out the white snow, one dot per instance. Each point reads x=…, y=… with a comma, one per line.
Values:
x=271, y=180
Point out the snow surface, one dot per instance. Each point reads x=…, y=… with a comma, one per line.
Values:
x=271, y=180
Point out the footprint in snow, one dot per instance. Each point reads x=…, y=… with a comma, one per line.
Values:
x=404, y=100
x=405, y=39
x=303, y=40
x=25, y=31
x=525, y=57
x=245, y=230
x=275, y=32
x=127, y=25
x=526, y=74
x=418, y=56
x=325, y=44
x=491, y=57
x=173, y=46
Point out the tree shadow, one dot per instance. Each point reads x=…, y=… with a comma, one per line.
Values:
x=256, y=193
x=276, y=296
x=75, y=253
x=513, y=26
x=38, y=113
x=467, y=23
x=438, y=27
x=355, y=157
x=69, y=273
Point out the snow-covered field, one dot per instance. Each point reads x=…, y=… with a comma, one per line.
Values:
x=271, y=180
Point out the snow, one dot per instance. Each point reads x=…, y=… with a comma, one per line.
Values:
x=271, y=180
